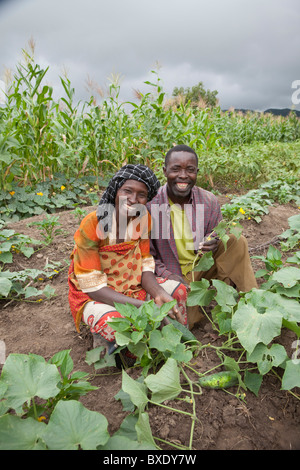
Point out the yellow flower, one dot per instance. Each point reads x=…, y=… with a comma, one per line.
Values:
x=11, y=193
x=41, y=279
x=62, y=188
x=242, y=211
x=40, y=194
x=42, y=418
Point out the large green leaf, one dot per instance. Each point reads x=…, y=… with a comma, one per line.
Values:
x=164, y=309
x=263, y=299
x=124, y=443
x=253, y=327
x=288, y=276
x=137, y=391
x=293, y=326
x=127, y=428
x=223, y=316
x=133, y=434
x=226, y=295
x=94, y=357
x=200, y=293
x=165, y=385
x=5, y=286
x=181, y=354
x=3, y=405
x=27, y=376
x=205, y=262
x=291, y=376
x=266, y=358
x=143, y=430
x=253, y=381
x=21, y=434
x=165, y=339
x=63, y=360
x=294, y=222
x=122, y=339
x=72, y=426
x=168, y=341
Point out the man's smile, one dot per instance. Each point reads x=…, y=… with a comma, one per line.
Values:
x=182, y=186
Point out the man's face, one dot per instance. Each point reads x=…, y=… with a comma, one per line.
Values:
x=181, y=173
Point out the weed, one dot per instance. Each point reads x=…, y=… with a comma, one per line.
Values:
x=48, y=227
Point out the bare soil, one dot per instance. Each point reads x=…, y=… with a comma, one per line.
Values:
x=270, y=421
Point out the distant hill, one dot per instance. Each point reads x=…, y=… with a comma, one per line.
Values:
x=277, y=112
x=282, y=112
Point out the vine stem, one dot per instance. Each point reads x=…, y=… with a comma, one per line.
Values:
x=194, y=416
x=220, y=348
x=176, y=446
x=34, y=409
x=201, y=374
x=198, y=255
x=207, y=317
x=171, y=409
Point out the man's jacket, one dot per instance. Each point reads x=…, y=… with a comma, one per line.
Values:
x=203, y=213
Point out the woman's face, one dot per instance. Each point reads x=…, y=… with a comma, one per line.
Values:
x=131, y=194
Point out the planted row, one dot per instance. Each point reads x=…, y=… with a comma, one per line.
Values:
x=48, y=197
x=256, y=202
x=41, y=136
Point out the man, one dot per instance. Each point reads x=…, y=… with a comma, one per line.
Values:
x=182, y=216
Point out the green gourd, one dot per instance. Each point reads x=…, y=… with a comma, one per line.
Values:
x=219, y=380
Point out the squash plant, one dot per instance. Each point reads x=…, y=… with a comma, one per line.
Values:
x=254, y=319
x=139, y=330
x=39, y=409
x=247, y=323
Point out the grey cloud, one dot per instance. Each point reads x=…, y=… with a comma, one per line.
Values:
x=246, y=50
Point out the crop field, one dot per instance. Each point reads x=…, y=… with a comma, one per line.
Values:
x=233, y=382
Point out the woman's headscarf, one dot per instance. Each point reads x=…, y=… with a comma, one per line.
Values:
x=128, y=172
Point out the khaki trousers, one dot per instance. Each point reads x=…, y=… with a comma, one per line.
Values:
x=232, y=266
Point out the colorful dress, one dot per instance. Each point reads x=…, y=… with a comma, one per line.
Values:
x=98, y=262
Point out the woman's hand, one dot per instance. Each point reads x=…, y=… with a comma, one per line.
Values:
x=109, y=296
x=162, y=298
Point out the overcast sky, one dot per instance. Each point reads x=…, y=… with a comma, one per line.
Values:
x=246, y=50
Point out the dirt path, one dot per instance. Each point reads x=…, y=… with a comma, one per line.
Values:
x=269, y=421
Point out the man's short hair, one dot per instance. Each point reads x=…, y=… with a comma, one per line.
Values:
x=179, y=148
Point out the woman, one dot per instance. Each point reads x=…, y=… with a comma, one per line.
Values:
x=111, y=260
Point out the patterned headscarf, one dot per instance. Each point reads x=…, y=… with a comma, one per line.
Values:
x=128, y=172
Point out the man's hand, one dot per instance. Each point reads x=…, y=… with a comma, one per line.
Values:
x=209, y=244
